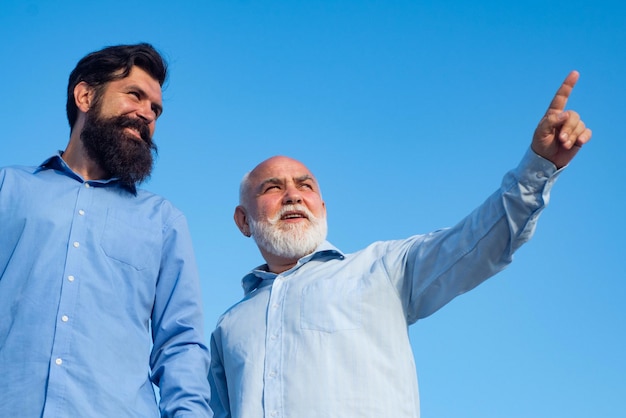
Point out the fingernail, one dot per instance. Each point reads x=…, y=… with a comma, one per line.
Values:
x=564, y=136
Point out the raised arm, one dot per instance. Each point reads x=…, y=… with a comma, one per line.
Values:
x=561, y=133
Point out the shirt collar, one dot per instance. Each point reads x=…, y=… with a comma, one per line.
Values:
x=56, y=162
x=261, y=277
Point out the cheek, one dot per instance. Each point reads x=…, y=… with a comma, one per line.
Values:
x=317, y=207
x=263, y=214
x=109, y=109
x=266, y=210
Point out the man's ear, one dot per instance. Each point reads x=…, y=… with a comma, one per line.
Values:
x=241, y=219
x=83, y=96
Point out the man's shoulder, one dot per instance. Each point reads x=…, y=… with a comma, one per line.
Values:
x=169, y=211
x=27, y=169
x=382, y=247
x=16, y=173
x=147, y=195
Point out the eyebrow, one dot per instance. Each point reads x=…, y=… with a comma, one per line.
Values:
x=304, y=178
x=276, y=180
x=273, y=180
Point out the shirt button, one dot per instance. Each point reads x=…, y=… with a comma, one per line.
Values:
x=76, y=244
x=272, y=374
x=81, y=212
x=58, y=361
x=65, y=318
x=275, y=306
x=540, y=174
x=87, y=185
x=274, y=413
x=70, y=278
x=273, y=337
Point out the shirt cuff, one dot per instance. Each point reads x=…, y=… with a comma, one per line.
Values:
x=536, y=171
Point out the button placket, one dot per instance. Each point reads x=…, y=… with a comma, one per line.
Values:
x=69, y=293
x=273, y=344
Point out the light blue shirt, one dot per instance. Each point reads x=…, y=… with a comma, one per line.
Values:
x=329, y=337
x=99, y=298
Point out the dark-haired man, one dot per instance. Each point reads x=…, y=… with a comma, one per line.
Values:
x=321, y=333
x=99, y=290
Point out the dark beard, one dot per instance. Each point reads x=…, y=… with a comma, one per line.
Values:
x=119, y=154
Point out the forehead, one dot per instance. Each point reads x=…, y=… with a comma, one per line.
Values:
x=280, y=168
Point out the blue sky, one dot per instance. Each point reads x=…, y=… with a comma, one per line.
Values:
x=409, y=113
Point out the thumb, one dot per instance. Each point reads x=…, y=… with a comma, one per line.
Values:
x=551, y=122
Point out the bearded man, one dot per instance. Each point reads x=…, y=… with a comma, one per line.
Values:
x=320, y=333
x=99, y=289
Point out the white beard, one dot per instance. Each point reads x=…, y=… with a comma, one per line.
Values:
x=292, y=241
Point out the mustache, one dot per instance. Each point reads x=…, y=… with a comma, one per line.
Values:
x=292, y=208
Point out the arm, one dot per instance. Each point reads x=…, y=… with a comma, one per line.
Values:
x=447, y=263
x=180, y=358
x=220, y=403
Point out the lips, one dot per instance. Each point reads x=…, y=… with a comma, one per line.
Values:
x=136, y=128
x=294, y=212
x=293, y=215
x=135, y=133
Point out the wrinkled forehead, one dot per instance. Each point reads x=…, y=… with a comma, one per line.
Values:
x=279, y=168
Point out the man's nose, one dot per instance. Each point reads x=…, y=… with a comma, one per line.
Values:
x=292, y=196
x=146, y=113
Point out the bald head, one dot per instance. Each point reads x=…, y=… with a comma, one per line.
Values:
x=267, y=170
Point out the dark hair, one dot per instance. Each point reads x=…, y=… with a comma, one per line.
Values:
x=100, y=67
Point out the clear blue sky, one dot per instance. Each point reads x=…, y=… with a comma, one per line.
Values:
x=409, y=113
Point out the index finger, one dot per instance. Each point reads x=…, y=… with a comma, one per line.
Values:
x=562, y=94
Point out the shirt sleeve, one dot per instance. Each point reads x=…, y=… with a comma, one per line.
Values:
x=446, y=263
x=180, y=358
x=220, y=403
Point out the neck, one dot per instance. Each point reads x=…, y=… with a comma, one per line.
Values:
x=279, y=268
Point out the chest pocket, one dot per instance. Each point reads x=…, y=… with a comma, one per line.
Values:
x=132, y=240
x=331, y=305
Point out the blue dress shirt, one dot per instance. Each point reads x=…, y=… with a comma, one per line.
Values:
x=329, y=337
x=99, y=299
